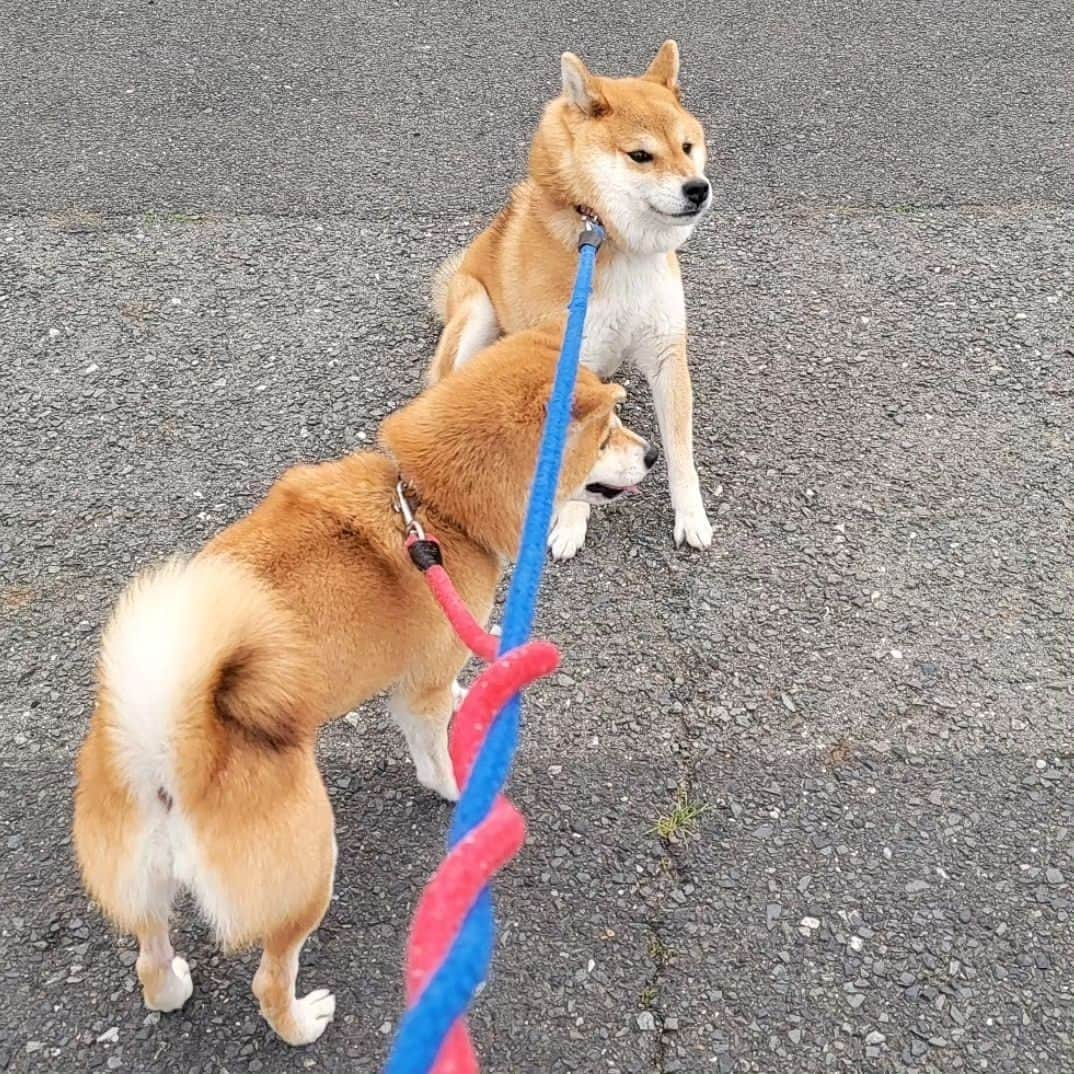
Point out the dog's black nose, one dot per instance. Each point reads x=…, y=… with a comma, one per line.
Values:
x=652, y=453
x=696, y=190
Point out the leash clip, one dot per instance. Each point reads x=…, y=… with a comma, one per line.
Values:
x=592, y=233
x=402, y=505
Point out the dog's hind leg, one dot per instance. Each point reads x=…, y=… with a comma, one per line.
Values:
x=165, y=978
x=126, y=857
x=471, y=326
x=298, y=1021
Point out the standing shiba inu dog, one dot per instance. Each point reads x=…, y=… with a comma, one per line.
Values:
x=215, y=673
x=627, y=151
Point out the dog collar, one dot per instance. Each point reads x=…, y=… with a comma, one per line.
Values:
x=407, y=502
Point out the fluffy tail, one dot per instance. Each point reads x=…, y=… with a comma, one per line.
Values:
x=441, y=281
x=198, y=658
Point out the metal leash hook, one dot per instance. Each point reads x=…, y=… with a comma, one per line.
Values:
x=592, y=233
x=402, y=505
x=452, y=938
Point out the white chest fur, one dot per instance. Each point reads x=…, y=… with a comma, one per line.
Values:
x=636, y=312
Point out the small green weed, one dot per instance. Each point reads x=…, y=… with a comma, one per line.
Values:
x=680, y=824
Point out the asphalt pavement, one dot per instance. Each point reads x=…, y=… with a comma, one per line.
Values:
x=801, y=803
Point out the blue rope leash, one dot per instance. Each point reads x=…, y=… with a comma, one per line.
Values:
x=448, y=994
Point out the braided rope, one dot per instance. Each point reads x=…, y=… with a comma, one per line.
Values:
x=453, y=932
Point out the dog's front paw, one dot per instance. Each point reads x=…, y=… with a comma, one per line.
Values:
x=692, y=527
x=568, y=530
x=439, y=782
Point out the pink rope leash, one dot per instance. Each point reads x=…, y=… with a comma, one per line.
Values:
x=471, y=864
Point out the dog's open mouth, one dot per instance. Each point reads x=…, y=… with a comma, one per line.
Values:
x=609, y=492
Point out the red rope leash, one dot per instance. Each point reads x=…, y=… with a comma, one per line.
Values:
x=466, y=626
x=471, y=864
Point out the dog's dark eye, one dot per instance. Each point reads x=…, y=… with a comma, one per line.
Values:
x=687, y=147
x=640, y=156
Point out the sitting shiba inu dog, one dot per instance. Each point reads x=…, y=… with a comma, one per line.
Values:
x=626, y=151
x=215, y=672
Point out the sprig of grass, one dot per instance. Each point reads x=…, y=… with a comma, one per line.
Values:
x=680, y=824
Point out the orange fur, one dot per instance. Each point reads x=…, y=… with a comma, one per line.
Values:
x=526, y=260
x=215, y=673
x=518, y=272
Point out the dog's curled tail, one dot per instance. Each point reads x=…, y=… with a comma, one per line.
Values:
x=200, y=659
x=438, y=291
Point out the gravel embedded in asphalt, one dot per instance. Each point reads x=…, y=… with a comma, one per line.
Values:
x=207, y=275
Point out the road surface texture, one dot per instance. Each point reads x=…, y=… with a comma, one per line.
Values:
x=217, y=224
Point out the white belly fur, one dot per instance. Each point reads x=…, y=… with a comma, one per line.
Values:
x=636, y=312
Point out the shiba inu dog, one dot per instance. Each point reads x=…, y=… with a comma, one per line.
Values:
x=628, y=152
x=215, y=673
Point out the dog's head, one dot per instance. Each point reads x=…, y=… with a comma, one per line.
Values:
x=469, y=444
x=629, y=150
x=604, y=458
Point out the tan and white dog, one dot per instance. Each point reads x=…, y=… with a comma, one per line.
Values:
x=198, y=771
x=627, y=150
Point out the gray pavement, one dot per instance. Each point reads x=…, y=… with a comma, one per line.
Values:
x=216, y=228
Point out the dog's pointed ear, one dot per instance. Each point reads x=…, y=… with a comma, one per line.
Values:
x=592, y=399
x=665, y=66
x=580, y=86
